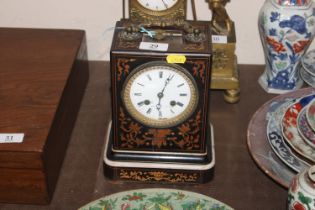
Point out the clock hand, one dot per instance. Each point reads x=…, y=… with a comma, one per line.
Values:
x=167, y=81
x=158, y=107
x=166, y=6
x=161, y=94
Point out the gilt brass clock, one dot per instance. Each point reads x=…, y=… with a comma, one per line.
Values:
x=160, y=102
x=157, y=12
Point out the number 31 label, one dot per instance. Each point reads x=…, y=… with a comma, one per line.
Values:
x=11, y=137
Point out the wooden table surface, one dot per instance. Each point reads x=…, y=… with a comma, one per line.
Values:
x=237, y=182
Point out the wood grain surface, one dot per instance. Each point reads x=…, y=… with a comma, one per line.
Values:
x=42, y=79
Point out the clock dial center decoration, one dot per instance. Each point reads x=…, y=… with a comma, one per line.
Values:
x=160, y=94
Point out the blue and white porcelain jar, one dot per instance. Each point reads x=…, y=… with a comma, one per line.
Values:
x=287, y=28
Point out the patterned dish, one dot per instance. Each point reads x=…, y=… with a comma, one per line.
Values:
x=156, y=199
x=276, y=140
x=304, y=128
x=258, y=145
x=310, y=114
x=308, y=62
x=290, y=132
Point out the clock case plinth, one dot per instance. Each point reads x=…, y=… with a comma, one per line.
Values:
x=187, y=144
x=166, y=167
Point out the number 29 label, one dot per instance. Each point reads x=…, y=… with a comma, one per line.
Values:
x=153, y=46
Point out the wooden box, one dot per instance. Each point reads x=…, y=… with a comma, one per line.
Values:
x=43, y=75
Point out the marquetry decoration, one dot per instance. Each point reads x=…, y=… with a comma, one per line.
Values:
x=158, y=176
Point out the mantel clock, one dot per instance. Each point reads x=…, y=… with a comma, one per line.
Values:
x=160, y=100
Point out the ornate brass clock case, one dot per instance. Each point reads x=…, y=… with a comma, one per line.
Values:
x=158, y=13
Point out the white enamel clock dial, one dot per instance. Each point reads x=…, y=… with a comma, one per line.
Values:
x=160, y=95
x=157, y=5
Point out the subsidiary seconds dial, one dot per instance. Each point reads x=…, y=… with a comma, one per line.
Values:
x=157, y=5
x=160, y=95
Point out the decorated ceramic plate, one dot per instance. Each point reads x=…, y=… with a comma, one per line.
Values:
x=275, y=138
x=308, y=62
x=307, y=77
x=304, y=128
x=310, y=114
x=290, y=131
x=156, y=199
x=258, y=145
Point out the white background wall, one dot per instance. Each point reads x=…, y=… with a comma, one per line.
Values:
x=98, y=18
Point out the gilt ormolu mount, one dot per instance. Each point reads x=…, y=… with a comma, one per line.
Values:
x=225, y=74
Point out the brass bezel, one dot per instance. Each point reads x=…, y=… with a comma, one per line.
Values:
x=138, y=13
x=164, y=123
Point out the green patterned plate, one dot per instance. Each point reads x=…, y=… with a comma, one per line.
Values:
x=156, y=199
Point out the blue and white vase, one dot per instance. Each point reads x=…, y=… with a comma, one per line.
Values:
x=287, y=28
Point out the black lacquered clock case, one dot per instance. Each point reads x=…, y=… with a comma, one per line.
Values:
x=128, y=134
